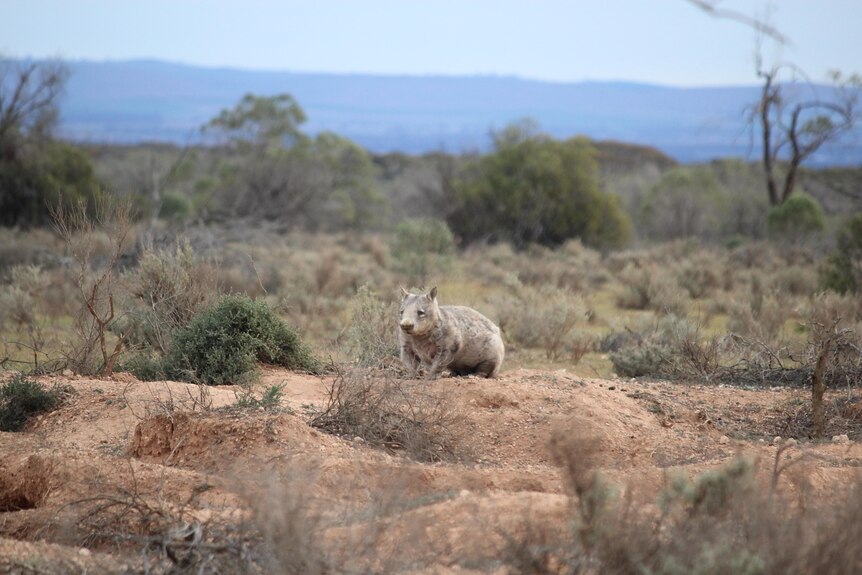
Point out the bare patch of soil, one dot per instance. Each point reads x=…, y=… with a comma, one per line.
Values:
x=174, y=469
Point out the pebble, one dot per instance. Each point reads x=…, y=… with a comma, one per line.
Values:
x=790, y=442
x=84, y=552
x=776, y=440
x=724, y=440
x=842, y=439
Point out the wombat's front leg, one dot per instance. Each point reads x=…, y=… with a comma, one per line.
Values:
x=441, y=360
x=408, y=358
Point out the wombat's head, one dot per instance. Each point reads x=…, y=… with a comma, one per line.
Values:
x=419, y=312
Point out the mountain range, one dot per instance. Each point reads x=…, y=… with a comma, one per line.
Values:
x=129, y=102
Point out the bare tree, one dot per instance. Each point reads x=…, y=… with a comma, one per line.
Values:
x=95, y=278
x=28, y=96
x=794, y=126
x=763, y=27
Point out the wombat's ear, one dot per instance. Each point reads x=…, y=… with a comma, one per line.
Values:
x=432, y=295
x=404, y=292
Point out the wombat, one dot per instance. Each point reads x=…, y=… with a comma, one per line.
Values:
x=450, y=337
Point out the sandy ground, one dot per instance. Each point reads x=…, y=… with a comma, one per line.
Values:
x=106, y=483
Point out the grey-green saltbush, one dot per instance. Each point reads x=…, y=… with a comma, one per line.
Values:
x=20, y=398
x=223, y=344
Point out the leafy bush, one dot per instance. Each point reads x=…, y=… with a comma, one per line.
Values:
x=223, y=343
x=175, y=206
x=21, y=398
x=144, y=367
x=842, y=271
x=32, y=181
x=648, y=358
x=270, y=400
x=533, y=189
x=798, y=217
x=421, y=247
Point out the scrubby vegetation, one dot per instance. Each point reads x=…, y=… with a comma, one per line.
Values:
x=21, y=398
x=223, y=344
x=270, y=245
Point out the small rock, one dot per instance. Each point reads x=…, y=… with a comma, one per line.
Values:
x=464, y=493
x=723, y=440
x=790, y=442
x=358, y=439
x=761, y=440
x=842, y=439
x=612, y=387
x=67, y=373
x=776, y=440
x=84, y=552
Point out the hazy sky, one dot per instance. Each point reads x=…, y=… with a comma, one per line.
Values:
x=660, y=41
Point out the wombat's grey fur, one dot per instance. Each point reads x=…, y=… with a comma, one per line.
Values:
x=450, y=337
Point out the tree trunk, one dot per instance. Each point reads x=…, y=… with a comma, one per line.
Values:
x=818, y=388
x=767, y=100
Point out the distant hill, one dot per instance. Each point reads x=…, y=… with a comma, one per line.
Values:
x=135, y=101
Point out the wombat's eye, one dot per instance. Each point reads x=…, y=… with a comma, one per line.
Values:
x=420, y=313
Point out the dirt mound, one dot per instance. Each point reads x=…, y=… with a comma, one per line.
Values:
x=124, y=464
x=223, y=440
x=24, y=557
x=24, y=485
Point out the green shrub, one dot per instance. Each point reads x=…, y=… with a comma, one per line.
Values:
x=534, y=189
x=175, y=206
x=421, y=247
x=223, y=343
x=270, y=400
x=648, y=358
x=21, y=398
x=798, y=217
x=144, y=367
x=842, y=271
x=35, y=181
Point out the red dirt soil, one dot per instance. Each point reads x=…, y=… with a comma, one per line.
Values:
x=124, y=456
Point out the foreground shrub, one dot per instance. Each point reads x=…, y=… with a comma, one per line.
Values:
x=393, y=414
x=723, y=521
x=223, y=343
x=21, y=398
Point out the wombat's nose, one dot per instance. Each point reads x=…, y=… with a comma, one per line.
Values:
x=407, y=325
